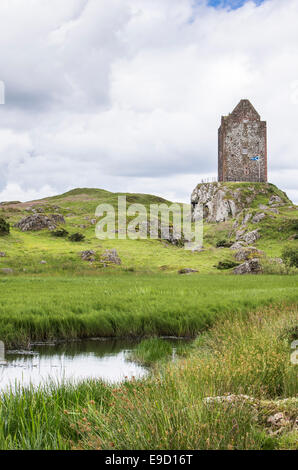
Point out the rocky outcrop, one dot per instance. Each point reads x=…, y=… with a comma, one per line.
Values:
x=282, y=420
x=237, y=245
x=275, y=260
x=187, y=271
x=6, y=271
x=216, y=207
x=258, y=217
x=223, y=201
x=110, y=257
x=252, y=266
x=247, y=238
x=251, y=237
x=275, y=200
x=163, y=232
x=37, y=222
x=239, y=234
x=244, y=254
x=229, y=399
x=88, y=255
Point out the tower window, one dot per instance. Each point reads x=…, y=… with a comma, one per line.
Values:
x=244, y=151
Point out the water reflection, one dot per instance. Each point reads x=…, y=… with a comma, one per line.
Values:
x=76, y=361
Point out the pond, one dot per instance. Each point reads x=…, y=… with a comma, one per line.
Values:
x=105, y=359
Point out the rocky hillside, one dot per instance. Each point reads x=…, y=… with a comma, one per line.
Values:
x=223, y=201
x=243, y=222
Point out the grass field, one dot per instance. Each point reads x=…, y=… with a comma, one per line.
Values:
x=244, y=324
x=129, y=304
x=244, y=354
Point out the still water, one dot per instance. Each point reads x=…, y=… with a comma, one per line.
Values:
x=92, y=359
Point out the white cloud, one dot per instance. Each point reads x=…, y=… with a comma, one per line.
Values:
x=14, y=192
x=128, y=95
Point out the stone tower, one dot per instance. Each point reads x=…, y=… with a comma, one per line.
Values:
x=242, y=145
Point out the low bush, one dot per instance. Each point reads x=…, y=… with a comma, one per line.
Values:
x=60, y=233
x=76, y=237
x=4, y=227
x=290, y=256
x=226, y=265
x=223, y=244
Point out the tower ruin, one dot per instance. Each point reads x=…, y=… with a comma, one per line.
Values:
x=242, y=145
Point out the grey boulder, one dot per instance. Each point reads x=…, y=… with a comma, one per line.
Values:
x=252, y=266
x=37, y=222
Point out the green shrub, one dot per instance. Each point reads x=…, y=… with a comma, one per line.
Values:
x=226, y=265
x=4, y=227
x=60, y=233
x=223, y=243
x=290, y=256
x=76, y=237
x=294, y=224
x=271, y=267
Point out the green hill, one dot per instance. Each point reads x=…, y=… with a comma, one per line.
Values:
x=41, y=253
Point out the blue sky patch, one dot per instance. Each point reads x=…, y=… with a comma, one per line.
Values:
x=233, y=4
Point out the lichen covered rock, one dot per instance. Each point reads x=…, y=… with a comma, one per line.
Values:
x=237, y=246
x=247, y=253
x=88, y=255
x=187, y=271
x=37, y=222
x=110, y=257
x=252, y=266
x=251, y=237
x=258, y=217
x=216, y=207
x=223, y=201
x=6, y=271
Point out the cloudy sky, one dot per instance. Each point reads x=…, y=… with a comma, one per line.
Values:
x=127, y=95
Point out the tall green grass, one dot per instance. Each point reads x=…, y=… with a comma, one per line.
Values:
x=35, y=309
x=245, y=355
x=151, y=350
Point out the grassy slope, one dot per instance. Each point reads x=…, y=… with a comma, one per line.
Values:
x=246, y=354
x=26, y=250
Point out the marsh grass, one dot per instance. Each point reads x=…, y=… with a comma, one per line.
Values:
x=39, y=309
x=154, y=350
x=247, y=354
x=151, y=350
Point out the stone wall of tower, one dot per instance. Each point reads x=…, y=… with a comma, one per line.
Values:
x=241, y=137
